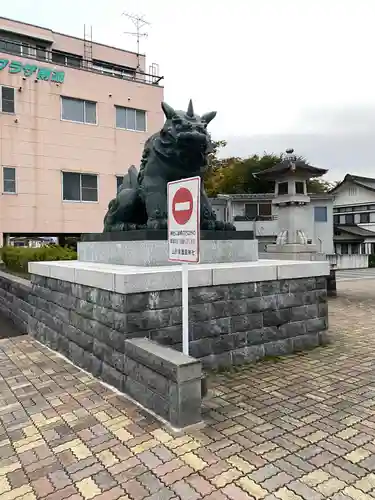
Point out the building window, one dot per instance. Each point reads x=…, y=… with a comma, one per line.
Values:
x=23, y=49
x=9, y=180
x=352, y=191
x=364, y=218
x=78, y=110
x=283, y=188
x=6, y=99
x=300, y=187
x=113, y=69
x=13, y=47
x=119, y=179
x=355, y=248
x=320, y=214
x=265, y=210
x=251, y=211
x=80, y=187
x=131, y=119
x=41, y=53
x=344, y=248
x=349, y=219
x=336, y=219
x=66, y=59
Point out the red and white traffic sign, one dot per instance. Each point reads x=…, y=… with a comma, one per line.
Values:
x=184, y=219
x=182, y=205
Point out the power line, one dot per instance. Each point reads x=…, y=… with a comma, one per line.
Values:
x=139, y=23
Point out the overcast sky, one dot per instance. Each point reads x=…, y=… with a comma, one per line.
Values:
x=280, y=73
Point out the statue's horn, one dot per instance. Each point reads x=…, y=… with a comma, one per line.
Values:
x=190, y=110
x=207, y=117
x=168, y=110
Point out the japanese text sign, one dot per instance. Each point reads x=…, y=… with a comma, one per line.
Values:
x=184, y=220
x=41, y=72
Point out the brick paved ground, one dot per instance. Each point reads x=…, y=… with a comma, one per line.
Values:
x=301, y=427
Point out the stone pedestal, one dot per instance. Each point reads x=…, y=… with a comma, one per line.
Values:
x=127, y=249
x=155, y=253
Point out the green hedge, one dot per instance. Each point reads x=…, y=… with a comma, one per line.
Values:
x=371, y=260
x=17, y=258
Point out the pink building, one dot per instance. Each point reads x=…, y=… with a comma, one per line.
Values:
x=74, y=115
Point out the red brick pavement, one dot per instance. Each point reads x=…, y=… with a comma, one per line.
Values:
x=298, y=427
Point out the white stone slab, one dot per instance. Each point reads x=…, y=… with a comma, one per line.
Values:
x=155, y=253
x=302, y=269
x=238, y=273
x=135, y=279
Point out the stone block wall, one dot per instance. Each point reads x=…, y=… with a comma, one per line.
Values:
x=229, y=324
x=163, y=380
x=14, y=300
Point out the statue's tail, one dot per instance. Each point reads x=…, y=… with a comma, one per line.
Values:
x=130, y=180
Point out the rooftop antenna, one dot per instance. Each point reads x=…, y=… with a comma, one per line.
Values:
x=139, y=22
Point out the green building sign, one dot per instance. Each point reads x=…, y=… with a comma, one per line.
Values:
x=42, y=73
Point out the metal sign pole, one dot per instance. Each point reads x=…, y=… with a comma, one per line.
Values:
x=185, y=309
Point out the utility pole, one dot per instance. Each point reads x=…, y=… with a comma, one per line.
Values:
x=139, y=23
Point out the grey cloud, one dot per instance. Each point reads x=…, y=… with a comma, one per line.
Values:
x=341, y=140
x=358, y=119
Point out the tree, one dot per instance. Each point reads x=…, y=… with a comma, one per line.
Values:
x=235, y=175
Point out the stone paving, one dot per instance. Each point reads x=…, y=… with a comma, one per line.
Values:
x=299, y=427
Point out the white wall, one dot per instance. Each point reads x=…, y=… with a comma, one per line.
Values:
x=219, y=211
x=351, y=194
x=349, y=261
x=323, y=231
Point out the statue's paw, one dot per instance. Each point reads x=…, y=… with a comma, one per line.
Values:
x=157, y=224
x=219, y=225
x=207, y=225
x=119, y=226
x=130, y=226
x=229, y=227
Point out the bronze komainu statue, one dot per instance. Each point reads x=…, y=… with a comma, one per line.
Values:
x=180, y=150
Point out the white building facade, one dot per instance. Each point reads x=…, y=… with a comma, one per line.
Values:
x=354, y=216
x=256, y=212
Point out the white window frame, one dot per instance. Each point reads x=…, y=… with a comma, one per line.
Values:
x=12, y=193
x=80, y=186
x=84, y=110
x=130, y=129
x=1, y=100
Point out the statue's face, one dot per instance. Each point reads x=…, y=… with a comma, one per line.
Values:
x=187, y=130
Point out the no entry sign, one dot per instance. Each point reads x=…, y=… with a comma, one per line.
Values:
x=184, y=220
x=182, y=206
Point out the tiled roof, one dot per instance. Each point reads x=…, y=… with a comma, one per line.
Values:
x=365, y=182
x=286, y=165
x=356, y=230
x=268, y=196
